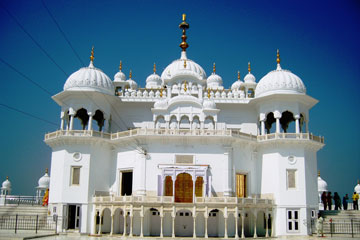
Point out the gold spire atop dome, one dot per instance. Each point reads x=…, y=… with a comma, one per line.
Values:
x=278, y=56
x=238, y=75
x=319, y=173
x=7, y=177
x=214, y=68
x=130, y=74
x=184, y=63
x=46, y=170
x=120, y=66
x=184, y=25
x=92, y=54
x=161, y=90
x=208, y=93
x=154, y=69
x=249, y=67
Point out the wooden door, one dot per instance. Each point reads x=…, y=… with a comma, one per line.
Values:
x=184, y=188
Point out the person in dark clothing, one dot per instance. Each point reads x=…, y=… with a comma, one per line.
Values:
x=323, y=200
x=337, y=201
x=329, y=200
x=345, y=201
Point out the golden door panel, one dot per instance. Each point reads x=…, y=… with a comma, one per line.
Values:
x=199, y=187
x=184, y=188
x=168, y=186
x=241, y=187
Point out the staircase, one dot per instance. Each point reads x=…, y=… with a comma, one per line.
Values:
x=342, y=222
x=22, y=210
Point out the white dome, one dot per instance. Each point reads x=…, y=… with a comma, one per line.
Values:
x=44, y=181
x=279, y=81
x=153, y=81
x=214, y=81
x=209, y=104
x=236, y=85
x=119, y=77
x=322, y=185
x=132, y=84
x=89, y=78
x=249, y=78
x=357, y=188
x=6, y=185
x=176, y=68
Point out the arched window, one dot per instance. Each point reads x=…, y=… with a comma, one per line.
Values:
x=100, y=120
x=184, y=122
x=286, y=119
x=195, y=123
x=209, y=123
x=160, y=122
x=269, y=126
x=83, y=117
x=173, y=122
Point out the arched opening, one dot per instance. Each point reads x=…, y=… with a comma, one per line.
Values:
x=209, y=123
x=83, y=116
x=154, y=222
x=184, y=188
x=173, y=122
x=184, y=225
x=260, y=224
x=106, y=223
x=251, y=93
x=99, y=119
x=199, y=187
x=136, y=223
x=270, y=119
x=286, y=119
x=160, y=122
x=184, y=122
x=118, y=221
x=216, y=224
x=168, y=191
x=195, y=123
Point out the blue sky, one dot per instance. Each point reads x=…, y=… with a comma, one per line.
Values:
x=318, y=41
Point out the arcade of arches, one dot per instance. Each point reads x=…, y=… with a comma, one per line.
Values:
x=275, y=122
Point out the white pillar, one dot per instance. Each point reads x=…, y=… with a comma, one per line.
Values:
x=90, y=121
x=94, y=227
x=194, y=231
x=194, y=181
x=131, y=225
x=242, y=225
x=112, y=224
x=297, y=124
x=277, y=124
x=124, y=233
x=226, y=228
x=71, y=122
x=141, y=226
x=228, y=172
x=262, y=127
x=266, y=225
x=236, y=224
x=173, y=182
x=100, y=223
x=141, y=158
x=62, y=123
x=173, y=227
x=161, y=225
x=255, y=219
x=206, y=224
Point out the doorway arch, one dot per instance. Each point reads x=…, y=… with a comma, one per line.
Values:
x=184, y=188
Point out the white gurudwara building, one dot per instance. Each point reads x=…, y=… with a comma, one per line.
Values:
x=184, y=156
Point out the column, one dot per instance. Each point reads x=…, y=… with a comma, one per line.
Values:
x=297, y=123
x=226, y=232
x=173, y=182
x=94, y=227
x=62, y=116
x=161, y=225
x=277, y=124
x=131, y=225
x=194, y=232
x=266, y=225
x=142, y=226
x=112, y=224
x=262, y=127
x=194, y=181
x=206, y=218
x=90, y=121
x=236, y=223
x=228, y=173
x=173, y=226
x=242, y=225
x=100, y=223
x=124, y=233
x=255, y=218
x=272, y=226
x=71, y=121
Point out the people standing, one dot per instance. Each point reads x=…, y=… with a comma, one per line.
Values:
x=345, y=201
x=337, y=201
x=323, y=200
x=329, y=200
x=355, y=198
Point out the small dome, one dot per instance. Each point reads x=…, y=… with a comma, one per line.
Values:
x=214, y=81
x=209, y=104
x=357, y=188
x=119, y=77
x=322, y=185
x=249, y=78
x=279, y=81
x=132, y=84
x=6, y=185
x=183, y=66
x=153, y=81
x=237, y=84
x=89, y=79
x=44, y=181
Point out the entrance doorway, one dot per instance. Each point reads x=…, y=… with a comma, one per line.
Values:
x=72, y=216
x=126, y=183
x=241, y=186
x=184, y=188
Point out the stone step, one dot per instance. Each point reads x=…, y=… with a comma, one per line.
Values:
x=23, y=210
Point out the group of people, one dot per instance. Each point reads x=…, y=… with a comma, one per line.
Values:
x=326, y=199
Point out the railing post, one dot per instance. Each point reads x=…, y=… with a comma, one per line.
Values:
x=16, y=219
x=352, y=229
x=36, y=224
x=331, y=230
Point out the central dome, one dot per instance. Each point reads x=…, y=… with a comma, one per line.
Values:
x=183, y=67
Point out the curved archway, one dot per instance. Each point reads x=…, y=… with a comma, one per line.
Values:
x=209, y=123
x=184, y=226
x=184, y=122
x=216, y=223
x=270, y=119
x=184, y=188
x=160, y=122
x=195, y=123
x=286, y=119
x=118, y=221
x=173, y=122
x=106, y=223
x=99, y=119
x=83, y=117
x=168, y=186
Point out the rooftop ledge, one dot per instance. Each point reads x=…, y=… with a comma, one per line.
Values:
x=169, y=199
x=183, y=132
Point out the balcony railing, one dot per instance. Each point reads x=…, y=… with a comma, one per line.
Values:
x=170, y=200
x=183, y=132
x=20, y=200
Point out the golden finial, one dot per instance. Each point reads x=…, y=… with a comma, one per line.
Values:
x=214, y=68
x=154, y=69
x=92, y=54
x=120, y=66
x=161, y=89
x=278, y=56
x=249, y=67
x=185, y=88
x=208, y=92
x=7, y=177
x=238, y=75
x=184, y=63
x=184, y=25
x=130, y=74
x=319, y=173
x=46, y=170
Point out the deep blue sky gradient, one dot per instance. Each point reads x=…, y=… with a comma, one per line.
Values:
x=318, y=41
